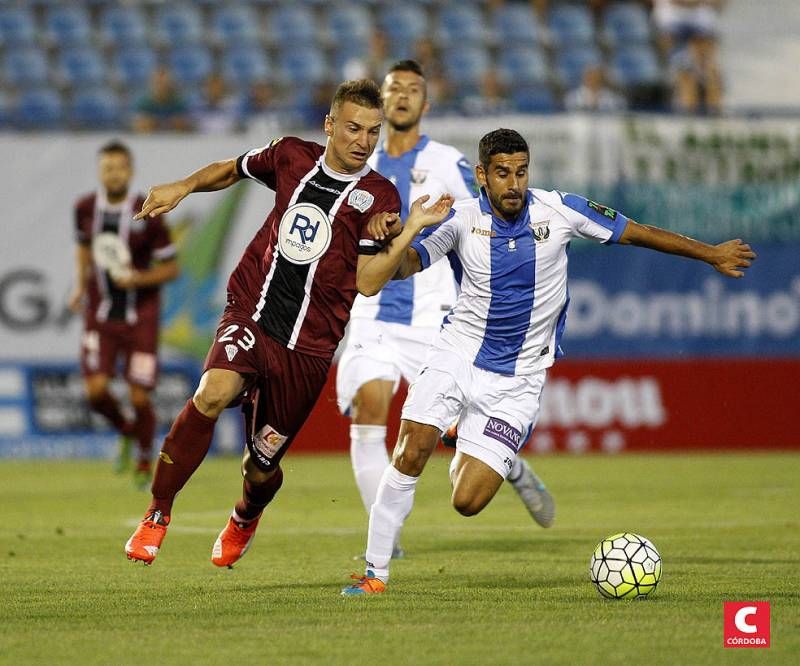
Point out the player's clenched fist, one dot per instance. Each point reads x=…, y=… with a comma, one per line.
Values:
x=162, y=199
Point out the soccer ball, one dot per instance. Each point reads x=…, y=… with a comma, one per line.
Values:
x=625, y=566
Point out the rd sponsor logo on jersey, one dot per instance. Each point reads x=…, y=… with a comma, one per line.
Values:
x=361, y=200
x=541, y=231
x=304, y=233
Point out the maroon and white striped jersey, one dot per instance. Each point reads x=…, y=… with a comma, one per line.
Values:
x=148, y=241
x=297, y=277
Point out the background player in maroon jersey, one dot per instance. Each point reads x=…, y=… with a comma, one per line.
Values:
x=289, y=300
x=121, y=309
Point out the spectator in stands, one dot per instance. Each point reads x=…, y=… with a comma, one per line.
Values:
x=163, y=107
x=688, y=32
x=429, y=58
x=594, y=94
x=492, y=97
x=218, y=112
x=375, y=63
x=259, y=107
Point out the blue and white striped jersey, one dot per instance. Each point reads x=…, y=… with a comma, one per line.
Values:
x=431, y=168
x=511, y=310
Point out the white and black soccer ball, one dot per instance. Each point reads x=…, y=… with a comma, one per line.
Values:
x=625, y=566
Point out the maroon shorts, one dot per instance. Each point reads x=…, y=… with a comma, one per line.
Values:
x=105, y=343
x=282, y=386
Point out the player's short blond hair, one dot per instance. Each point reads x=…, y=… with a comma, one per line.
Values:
x=363, y=92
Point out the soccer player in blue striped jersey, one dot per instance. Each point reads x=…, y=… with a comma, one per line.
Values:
x=488, y=364
x=389, y=333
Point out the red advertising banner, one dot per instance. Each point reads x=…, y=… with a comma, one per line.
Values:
x=637, y=405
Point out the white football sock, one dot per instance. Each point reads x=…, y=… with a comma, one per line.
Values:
x=369, y=458
x=392, y=506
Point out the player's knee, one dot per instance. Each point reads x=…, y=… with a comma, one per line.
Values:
x=410, y=459
x=212, y=397
x=467, y=505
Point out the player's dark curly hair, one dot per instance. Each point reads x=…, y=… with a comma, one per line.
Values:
x=116, y=146
x=505, y=141
x=408, y=66
x=363, y=92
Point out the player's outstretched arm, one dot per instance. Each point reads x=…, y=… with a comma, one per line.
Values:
x=398, y=260
x=729, y=258
x=163, y=198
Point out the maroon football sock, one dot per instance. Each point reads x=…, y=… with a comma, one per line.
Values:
x=144, y=427
x=255, y=496
x=184, y=448
x=106, y=405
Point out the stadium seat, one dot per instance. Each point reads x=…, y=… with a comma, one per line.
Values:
x=95, y=108
x=348, y=23
x=235, y=25
x=466, y=66
x=190, y=64
x=517, y=24
x=302, y=67
x=534, y=100
x=5, y=110
x=68, y=25
x=461, y=23
x=571, y=24
x=25, y=67
x=81, y=66
x=244, y=65
x=38, y=109
x=17, y=26
x=626, y=22
x=179, y=24
x=635, y=66
x=123, y=26
x=292, y=25
x=133, y=66
x=523, y=66
x=571, y=63
x=403, y=23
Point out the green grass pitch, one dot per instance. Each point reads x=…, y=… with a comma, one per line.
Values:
x=493, y=589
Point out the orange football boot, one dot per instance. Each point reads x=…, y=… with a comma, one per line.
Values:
x=145, y=542
x=233, y=542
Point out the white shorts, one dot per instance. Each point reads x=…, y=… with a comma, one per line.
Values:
x=379, y=350
x=495, y=413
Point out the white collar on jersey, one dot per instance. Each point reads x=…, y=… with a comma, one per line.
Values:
x=342, y=176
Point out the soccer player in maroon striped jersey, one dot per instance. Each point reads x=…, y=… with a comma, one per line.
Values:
x=289, y=300
x=121, y=311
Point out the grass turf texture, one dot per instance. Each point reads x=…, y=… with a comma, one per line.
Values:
x=493, y=589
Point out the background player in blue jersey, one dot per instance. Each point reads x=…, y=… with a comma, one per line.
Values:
x=488, y=364
x=390, y=333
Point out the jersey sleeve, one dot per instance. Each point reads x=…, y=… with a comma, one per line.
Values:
x=463, y=184
x=592, y=220
x=161, y=239
x=387, y=202
x=437, y=241
x=260, y=164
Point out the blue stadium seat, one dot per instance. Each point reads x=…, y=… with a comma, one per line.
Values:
x=190, y=64
x=348, y=23
x=95, y=108
x=234, y=25
x=133, y=66
x=244, y=65
x=461, y=24
x=81, y=66
x=38, y=109
x=292, y=24
x=68, y=25
x=16, y=26
x=303, y=67
x=25, y=67
x=517, y=24
x=571, y=63
x=626, y=22
x=403, y=23
x=571, y=24
x=123, y=26
x=635, y=66
x=466, y=66
x=534, y=100
x=523, y=66
x=179, y=24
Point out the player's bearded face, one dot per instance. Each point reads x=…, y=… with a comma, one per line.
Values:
x=506, y=182
x=353, y=133
x=115, y=173
x=404, y=99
